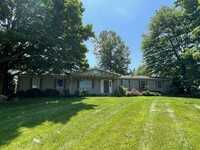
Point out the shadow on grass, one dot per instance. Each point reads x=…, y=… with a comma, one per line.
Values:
x=32, y=112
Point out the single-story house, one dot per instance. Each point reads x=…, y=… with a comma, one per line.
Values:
x=94, y=80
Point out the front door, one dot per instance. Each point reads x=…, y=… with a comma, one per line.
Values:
x=106, y=86
x=60, y=85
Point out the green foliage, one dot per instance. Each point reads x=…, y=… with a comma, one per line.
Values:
x=66, y=93
x=42, y=37
x=141, y=70
x=51, y=92
x=170, y=48
x=21, y=94
x=117, y=93
x=111, y=52
x=148, y=93
x=81, y=92
x=121, y=92
x=34, y=92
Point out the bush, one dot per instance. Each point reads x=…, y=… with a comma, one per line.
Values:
x=148, y=93
x=145, y=93
x=117, y=93
x=35, y=92
x=121, y=92
x=3, y=98
x=66, y=93
x=21, y=94
x=81, y=92
x=51, y=92
x=133, y=93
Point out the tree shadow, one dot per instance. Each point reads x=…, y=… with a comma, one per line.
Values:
x=32, y=112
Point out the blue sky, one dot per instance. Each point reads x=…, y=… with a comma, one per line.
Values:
x=128, y=18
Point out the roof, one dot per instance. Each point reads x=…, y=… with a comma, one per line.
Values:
x=143, y=78
x=97, y=69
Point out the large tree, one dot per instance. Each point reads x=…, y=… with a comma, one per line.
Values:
x=170, y=48
x=111, y=52
x=41, y=36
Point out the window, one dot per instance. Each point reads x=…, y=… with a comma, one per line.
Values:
x=85, y=84
x=60, y=83
x=143, y=84
x=159, y=84
x=125, y=83
x=36, y=83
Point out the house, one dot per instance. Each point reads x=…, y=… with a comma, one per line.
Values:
x=94, y=80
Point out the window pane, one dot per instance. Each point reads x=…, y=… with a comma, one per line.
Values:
x=143, y=84
x=159, y=84
x=60, y=83
x=125, y=84
x=86, y=84
x=36, y=83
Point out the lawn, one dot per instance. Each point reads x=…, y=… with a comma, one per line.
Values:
x=100, y=123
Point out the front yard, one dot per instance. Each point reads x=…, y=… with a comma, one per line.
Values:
x=100, y=123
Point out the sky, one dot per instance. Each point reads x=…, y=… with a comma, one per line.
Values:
x=128, y=18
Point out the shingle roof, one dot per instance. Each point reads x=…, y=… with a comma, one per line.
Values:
x=143, y=77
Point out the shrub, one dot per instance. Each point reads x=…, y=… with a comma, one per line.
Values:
x=35, y=92
x=81, y=92
x=133, y=93
x=121, y=92
x=21, y=93
x=51, y=92
x=145, y=93
x=148, y=93
x=3, y=98
x=117, y=93
x=66, y=93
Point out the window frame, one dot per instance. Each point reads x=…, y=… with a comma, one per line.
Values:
x=124, y=84
x=83, y=84
x=34, y=82
x=144, y=86
x=161, y=83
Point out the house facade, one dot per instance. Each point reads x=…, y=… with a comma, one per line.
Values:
x=94, y=80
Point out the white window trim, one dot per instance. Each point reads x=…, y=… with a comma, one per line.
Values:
x=37, y=86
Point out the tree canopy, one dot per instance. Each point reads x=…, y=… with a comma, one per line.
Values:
x=111, y=52
x=42, y=36
x=171, y=47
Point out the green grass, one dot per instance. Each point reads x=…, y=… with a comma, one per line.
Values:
x=101, y=123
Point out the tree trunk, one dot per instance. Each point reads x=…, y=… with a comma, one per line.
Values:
x=4, y=80
x=1, y=82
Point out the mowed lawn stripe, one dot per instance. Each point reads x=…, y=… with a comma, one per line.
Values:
x=189, y=116
x=55, y=133
x=163, y=129
x=85, y=129
x=101, y=123
x=121, y=129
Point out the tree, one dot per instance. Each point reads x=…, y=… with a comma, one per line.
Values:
x=41, y=36
x=111, y=52
x=141, y=70
x=169, y=48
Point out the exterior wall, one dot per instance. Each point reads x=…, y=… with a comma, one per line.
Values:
x=47, y=83
x=95, y=90
x=115, y=85
x=23, y=83
x=134, y=84
x=152, y=85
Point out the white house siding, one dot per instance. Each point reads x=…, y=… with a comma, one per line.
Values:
x=47, y=83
